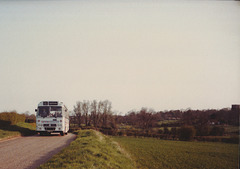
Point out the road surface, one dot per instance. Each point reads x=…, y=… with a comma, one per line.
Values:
x=30, y=152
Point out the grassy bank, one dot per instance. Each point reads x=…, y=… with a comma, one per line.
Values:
x=153, y=153
x=19, y=129
x=91, y=149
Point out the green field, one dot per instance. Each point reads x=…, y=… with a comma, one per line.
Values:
x=231, y=129
x=20, y=129
x=153, y=153
x=91, y=150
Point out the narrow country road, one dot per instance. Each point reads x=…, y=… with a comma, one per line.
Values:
x=30, y=152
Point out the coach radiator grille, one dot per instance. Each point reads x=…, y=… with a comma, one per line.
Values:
x=49, y=128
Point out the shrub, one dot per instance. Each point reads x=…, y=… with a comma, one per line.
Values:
x=30, y=118
x=12, y=117
x=141, y=133
x=217, y=131
x=174, y=131
x=112, y=132
x=186, y=133
x=166, y=131
x=202, y=130
x=121, y=133
x=130, y=133
x=160, y=131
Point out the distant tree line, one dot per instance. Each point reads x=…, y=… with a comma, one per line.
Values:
x=144, y=119
x=188, y=117
x=185, y=124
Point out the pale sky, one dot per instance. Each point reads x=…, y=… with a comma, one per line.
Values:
x=158, y=54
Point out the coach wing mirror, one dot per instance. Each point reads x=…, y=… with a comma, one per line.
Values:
x=35, y=110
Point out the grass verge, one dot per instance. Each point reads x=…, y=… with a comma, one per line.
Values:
x=153, y=153
x=91, y=149
x=20, y=129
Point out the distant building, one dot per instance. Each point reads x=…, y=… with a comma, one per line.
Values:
x=236, y=107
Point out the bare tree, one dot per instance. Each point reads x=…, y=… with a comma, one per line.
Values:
x=145, y=118
x=86, y=109
x=78, y=112
x=99, y=114
x=107, y=106
x=94, y=111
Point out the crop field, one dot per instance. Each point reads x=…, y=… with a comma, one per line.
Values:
x=153, y=153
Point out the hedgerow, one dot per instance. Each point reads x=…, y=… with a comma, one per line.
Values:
x=11, y=118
